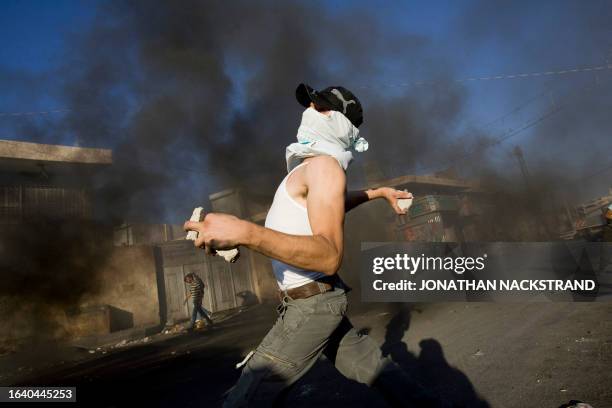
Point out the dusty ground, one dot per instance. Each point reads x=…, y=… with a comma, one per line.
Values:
x=475, y=355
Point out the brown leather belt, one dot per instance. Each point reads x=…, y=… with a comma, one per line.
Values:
x=317, y=287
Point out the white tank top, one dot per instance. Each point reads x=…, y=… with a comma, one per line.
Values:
x=287, y=216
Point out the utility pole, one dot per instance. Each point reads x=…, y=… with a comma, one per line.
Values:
x=518, y=152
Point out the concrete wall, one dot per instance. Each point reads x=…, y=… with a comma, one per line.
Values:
x=129, y=283
x=126, y=297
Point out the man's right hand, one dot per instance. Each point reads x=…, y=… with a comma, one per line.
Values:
x=219, y=231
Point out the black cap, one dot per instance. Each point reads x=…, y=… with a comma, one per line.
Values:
x=335, y=98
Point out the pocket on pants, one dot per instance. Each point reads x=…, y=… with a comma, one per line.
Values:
x=296, y=314
x=338, y=306
x=274, y=358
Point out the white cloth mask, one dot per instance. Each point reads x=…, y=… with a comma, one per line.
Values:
x=321, y=134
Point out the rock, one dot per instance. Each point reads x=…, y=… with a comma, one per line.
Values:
x=478, y=353
x=122, y=343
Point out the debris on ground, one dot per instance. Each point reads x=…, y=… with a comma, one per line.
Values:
x=125, y=343
x=478, y=353
x=177, y=328
x=122, y=343
x=576, y=404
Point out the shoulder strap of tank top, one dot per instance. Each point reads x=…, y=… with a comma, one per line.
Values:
x=292, y=170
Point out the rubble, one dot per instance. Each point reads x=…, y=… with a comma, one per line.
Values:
x=122, y=343
x=177, y=328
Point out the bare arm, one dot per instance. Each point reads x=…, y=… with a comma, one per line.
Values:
x=321, y=252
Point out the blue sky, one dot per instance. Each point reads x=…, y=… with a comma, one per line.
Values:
x=35, y=34
x=34, y=31
x=34, y=37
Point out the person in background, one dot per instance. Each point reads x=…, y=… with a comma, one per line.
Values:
x=196, y=293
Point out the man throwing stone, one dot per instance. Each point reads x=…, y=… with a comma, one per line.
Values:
x=303, y=235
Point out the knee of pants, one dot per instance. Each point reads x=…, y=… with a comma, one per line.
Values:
x=241, y=395
x=262, y=380
x=360, y=358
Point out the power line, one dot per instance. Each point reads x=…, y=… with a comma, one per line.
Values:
x=568, y=71
x=516, y=109
x=537, y=74
x=47, y=112
x=524, y=75
x=595, y=173
x=497, y=141
x=513, y=111
x=555, y=109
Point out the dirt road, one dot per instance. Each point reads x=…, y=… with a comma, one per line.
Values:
x=473, y=354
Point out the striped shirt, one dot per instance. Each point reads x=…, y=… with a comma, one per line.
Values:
x=196, y=289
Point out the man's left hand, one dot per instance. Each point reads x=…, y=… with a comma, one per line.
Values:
x=218, y=231
x=392, y=195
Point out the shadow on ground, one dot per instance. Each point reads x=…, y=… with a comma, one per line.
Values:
x=430, y=368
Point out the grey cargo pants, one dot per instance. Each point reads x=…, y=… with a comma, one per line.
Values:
x=304, y=329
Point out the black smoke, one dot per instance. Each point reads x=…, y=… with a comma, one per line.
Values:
x=197, y=96
x=47, y=266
